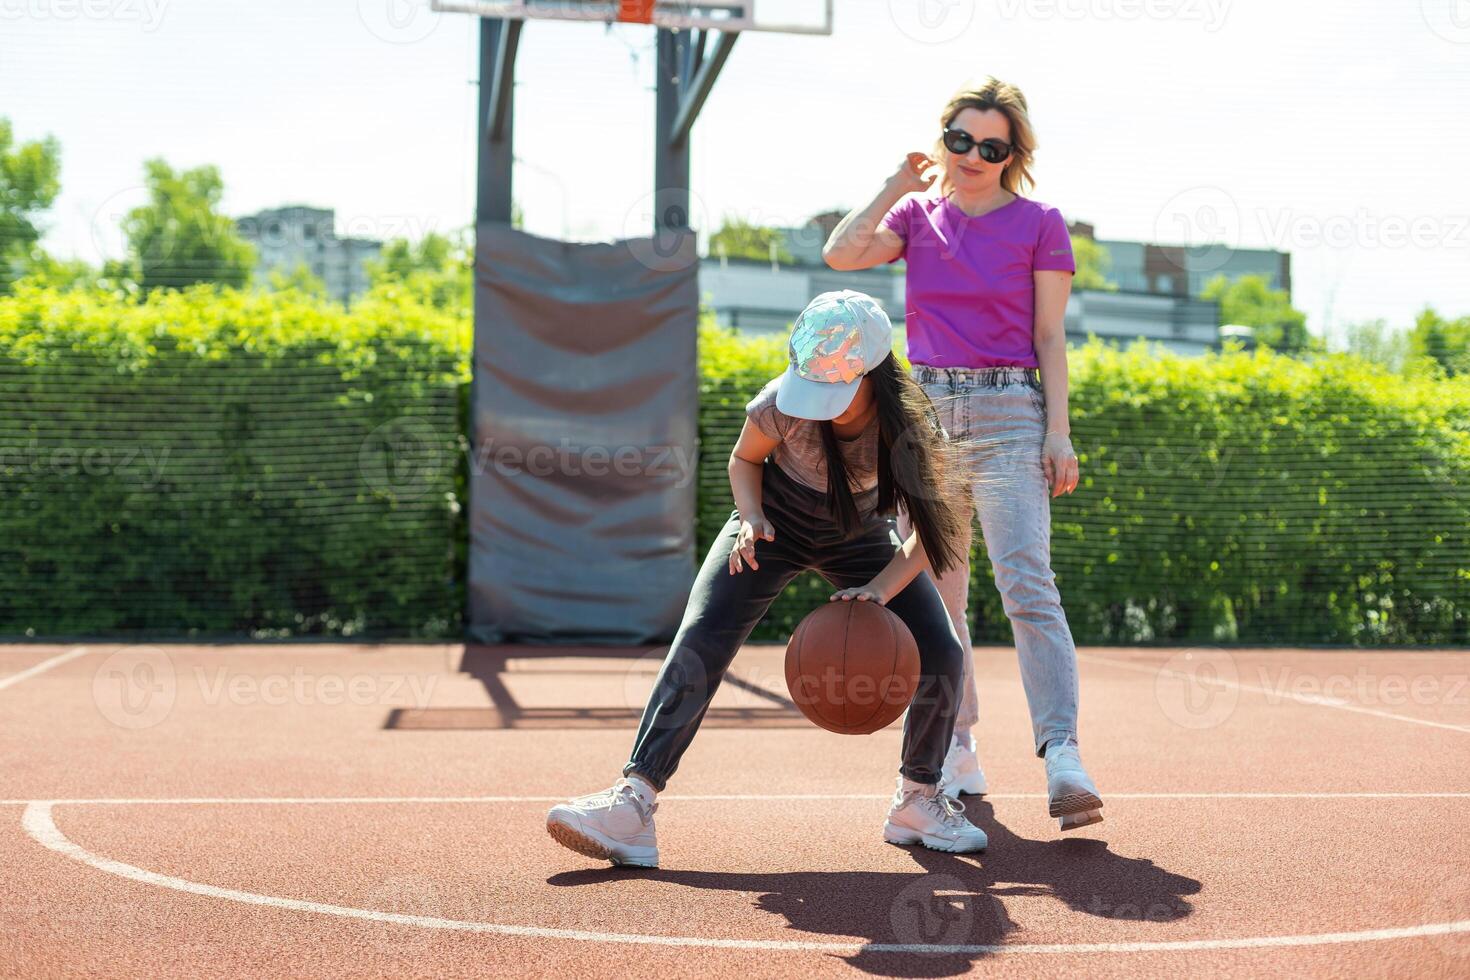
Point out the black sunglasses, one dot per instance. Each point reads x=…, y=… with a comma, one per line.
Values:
x=992, y=150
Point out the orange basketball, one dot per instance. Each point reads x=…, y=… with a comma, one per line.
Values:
x=852, y=666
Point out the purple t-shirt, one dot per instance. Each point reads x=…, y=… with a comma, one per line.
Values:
x=970, y=298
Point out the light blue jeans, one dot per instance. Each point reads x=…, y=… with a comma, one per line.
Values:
x=1000, y=415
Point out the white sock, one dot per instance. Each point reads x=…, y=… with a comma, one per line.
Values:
x=643, y=788
x=909, y=786
x=962, y=736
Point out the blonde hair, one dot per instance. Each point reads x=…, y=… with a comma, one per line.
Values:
x=992, y=93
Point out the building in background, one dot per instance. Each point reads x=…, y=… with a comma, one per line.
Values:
x=1157, y=296
x=761, y=297
x=286, y=237
x=1177, y=270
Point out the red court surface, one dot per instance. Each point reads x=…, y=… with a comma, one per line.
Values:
x=339, y=810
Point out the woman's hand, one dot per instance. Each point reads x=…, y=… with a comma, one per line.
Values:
x=744, y=550
x=862, y=593
x=1059, y=463
x=910, y=174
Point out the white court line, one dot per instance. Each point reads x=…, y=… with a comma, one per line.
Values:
x=42, y=667
x=38, y=823
x=693, y=797
x=1319, y=700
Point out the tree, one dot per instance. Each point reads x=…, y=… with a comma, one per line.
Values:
x=30, y=179
x=300, y=278
x=179, y=237
x=740, y=239
x=1372, y=340
x=1446, y=342
x=1250, y=301
x=438, y=268
x=1093, y=262
x=44, y=269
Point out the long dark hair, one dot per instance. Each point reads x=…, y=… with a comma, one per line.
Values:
x=917, y=466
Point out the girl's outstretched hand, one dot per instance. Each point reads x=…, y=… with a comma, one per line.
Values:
x=861, y=593
x=744, y=550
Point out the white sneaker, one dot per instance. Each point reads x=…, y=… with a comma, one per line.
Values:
x=1070, y=792
x=962, y=772
x=615, y=825
x=926, y=816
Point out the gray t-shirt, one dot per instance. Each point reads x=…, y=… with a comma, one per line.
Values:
x=800, y=453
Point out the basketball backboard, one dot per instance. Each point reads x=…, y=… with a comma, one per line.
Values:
x=782, y=16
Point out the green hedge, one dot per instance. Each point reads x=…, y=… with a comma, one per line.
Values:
x=214, y=462
x=220, y=462
x=1265, y=499
x=1228, y=498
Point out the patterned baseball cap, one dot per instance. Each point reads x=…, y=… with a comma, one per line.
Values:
x=840, y=336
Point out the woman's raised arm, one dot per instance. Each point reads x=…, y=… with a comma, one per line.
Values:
x=859, y=241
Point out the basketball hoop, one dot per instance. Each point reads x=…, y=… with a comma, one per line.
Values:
x=778, y=16
x=635, y=11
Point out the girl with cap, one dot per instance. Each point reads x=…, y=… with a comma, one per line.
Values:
x=829, y=450
x=988, y=273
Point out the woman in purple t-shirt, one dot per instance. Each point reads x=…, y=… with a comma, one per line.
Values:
x=988, y=273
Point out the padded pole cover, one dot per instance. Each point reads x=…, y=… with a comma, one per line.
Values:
x=583, y=464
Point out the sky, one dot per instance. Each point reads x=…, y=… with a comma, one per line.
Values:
x=1336, y=132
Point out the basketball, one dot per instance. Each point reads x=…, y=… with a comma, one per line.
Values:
x=852, y=666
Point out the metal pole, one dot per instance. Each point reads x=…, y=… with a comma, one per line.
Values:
x=495, y=122
x=670, y=156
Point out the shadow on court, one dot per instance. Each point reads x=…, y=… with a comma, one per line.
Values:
x=950, y=900
x=490, y=666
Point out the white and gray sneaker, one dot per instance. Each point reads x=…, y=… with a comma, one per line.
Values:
x=615, y=825
x=962, y=773
x=1070, y=792
x=926, y=816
